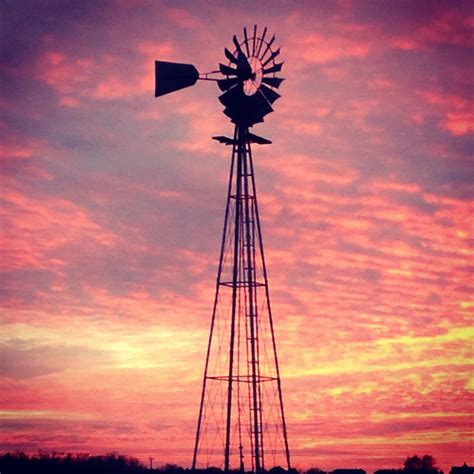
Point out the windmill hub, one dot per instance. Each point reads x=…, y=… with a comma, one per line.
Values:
x=252, y=84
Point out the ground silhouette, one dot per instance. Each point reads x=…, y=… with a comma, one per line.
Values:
x=421, y=465
x=113, y=463
x=54, y=463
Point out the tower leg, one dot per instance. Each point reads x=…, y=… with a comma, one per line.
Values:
x=249, y=221
x=214, y=309
x=235, y=290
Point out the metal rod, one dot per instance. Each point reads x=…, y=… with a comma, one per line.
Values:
x=204, y=76
x=257, y=318
x=234, y=301
x=238, y=378
x=252, y=315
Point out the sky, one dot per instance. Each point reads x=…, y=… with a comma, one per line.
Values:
x=112, y=208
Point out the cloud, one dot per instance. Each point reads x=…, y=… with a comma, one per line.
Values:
x=21, y=359
x=319, y=49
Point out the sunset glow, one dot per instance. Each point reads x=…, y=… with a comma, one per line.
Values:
x=112, y=213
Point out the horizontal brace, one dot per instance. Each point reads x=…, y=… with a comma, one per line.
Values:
x=242, y=378
x=243, y=196
x=241, y=284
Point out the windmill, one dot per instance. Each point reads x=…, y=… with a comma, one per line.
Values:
x=241, y=422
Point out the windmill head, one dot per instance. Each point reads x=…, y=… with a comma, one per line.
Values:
x=248, y=81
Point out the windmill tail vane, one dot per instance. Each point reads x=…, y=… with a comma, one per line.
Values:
x=241, y=421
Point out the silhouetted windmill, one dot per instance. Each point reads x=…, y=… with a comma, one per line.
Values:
x=241, y=413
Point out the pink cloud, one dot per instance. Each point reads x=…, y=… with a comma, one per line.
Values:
x=458, y=118
x=105, y=76
x=317, y=48
x=460, y=123
x=183, y=18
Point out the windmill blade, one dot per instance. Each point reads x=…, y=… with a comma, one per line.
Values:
x=272, y=56
x=275, y=68
x=273, y=81
x=262, y=39
x=236, y=43
x=225, y=84
x=269, y=94
x=254, y=42
x=260, y=105
x=253, y=108
x=243, y=64
x=246, y=41
x=269, y=45
x=244, y=109
x=230, y=56
x=231, y=98
x=227, y=71
x=242, y=60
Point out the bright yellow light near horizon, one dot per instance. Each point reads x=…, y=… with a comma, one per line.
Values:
x=399, y=272
x=388, y=349
x=108, y=336
x=44, y=414
x=157, y=347
x=453, y=334
x=371, y=364
x=400, y=438
x=364, y=388
x=423, y=415
x=336, y=391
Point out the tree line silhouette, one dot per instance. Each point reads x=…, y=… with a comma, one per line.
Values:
x=113, y=463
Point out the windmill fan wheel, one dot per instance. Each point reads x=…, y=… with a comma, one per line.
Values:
x=251, y=82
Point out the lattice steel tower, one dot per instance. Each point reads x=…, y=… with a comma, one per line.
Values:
x=241, y=422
